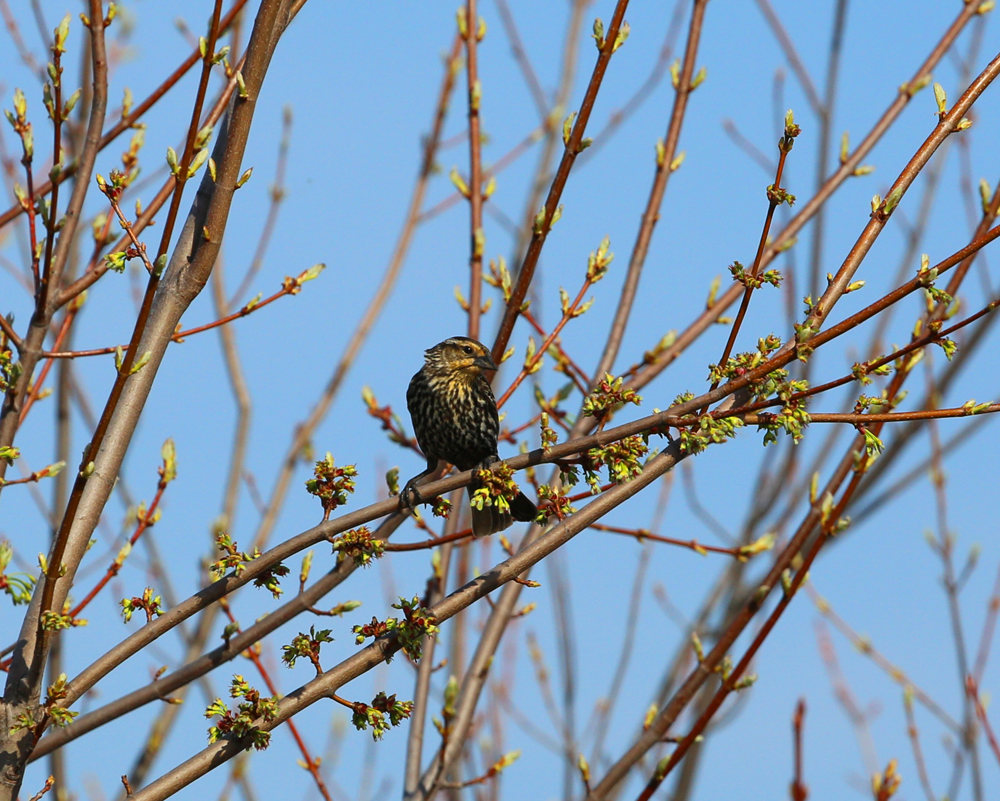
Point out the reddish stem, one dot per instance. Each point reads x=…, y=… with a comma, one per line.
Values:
x=799, y=791
x=642, y=534
x=180, y=335
x=774, y=202
x=116, y=565
x=127, y=122
x=433, y=542
x=972, y=688
x=40, y=381
x=311, y=764
x=527, y=369
x=477, y=236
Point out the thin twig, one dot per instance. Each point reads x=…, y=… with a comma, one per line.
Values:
x=523, y=62
x=277, y=194
x=799, y=790
x=290, y=286
x=665, y=165
x=847, y=699
x=775, y=196
x=548, y=212
x=809, y=209
x=15, y=35
x=311, y=764
x=303, y=432
x=972, y=690
x=918, y=755
x=128, y=122
x=793, y=57
x=864, y=646
x=477, y=236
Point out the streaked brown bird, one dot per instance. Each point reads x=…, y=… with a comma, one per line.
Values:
x=455, y=420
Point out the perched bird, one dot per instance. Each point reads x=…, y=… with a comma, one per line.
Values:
x=455, y=419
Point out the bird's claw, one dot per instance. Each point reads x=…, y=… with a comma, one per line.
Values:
x=410, y=497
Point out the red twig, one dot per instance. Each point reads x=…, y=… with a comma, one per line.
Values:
x=865, y=647
x=918, y=755
x=579, y=376
x=529, y=366
x=57, y=121
x=277, y=196
x=989, y=627
x=972, y=688
x=775, y=195
x=128, y=122
x=477, y=238
x=433, y=542
x=145, y=522
x=34, y=478
x=154, y=206
x=10, y=333
x=890, y=417
x=312, y=764
x=501, y=164
x=291, y=286
x=799, y=791
x=932, y=336
x=32, y=235
x=548, y=212
x=642, y=535
x=36, y=389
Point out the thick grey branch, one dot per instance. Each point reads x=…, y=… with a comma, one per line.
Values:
x=333, y=679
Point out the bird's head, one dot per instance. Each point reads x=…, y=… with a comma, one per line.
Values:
x=459, y=357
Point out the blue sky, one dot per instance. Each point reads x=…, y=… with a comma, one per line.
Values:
x=361, y=79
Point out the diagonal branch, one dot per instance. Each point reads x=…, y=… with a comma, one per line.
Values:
x=548, y=212
x=190, y=268
x=363, y=661
x=664, y=167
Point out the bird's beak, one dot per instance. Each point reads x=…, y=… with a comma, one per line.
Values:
x=485, y=362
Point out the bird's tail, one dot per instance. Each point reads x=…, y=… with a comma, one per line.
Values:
x=522, y=508
x=490, y=520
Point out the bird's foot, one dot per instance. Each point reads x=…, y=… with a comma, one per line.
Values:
x=410, y=497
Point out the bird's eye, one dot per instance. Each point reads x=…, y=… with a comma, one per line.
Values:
x=467, y=349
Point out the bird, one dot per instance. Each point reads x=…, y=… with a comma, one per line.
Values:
x=454, y=416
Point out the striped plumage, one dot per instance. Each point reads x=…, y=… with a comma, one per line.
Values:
x=455, y=420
